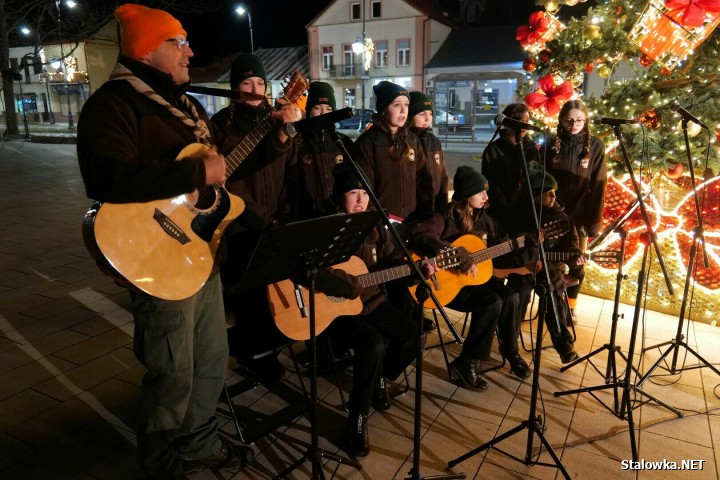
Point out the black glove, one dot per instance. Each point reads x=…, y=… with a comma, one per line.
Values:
x=465, y=263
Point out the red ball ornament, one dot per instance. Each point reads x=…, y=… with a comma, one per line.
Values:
x=589, y=67
x=645, y=61
x=675, y=172
x=529, y=64
x=545, y=55
x=619, y=11
x=665, y=72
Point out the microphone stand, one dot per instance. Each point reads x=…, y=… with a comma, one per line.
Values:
x=698, y=236
x=533, y=422
x=422, y=293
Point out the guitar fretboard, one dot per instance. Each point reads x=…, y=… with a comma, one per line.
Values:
x=243, y=149
x=563, y=256
x=382, y=276
x=497, y=250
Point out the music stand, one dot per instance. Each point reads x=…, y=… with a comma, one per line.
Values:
x=611, y=377
x=298, y=250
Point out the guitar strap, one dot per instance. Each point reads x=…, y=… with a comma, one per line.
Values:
x=200, y=128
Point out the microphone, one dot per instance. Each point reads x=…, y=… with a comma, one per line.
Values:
x=613, y=121
x=325, y=121
x=506, y=121
x=676, y=107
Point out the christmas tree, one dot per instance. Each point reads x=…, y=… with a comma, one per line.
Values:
x=630, y=32
x=668, y=51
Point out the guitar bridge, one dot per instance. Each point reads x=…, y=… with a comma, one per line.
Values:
x=170, y=227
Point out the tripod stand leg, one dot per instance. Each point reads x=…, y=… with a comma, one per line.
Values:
x=532, y=422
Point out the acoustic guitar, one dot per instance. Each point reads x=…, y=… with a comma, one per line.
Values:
x=166, y=248
x=289, y=302
x=447, y=283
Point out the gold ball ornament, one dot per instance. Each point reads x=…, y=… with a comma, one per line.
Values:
x=693, y=129
x=571, y=3
x=604, y=71
x=551, y=6
x=591, y=34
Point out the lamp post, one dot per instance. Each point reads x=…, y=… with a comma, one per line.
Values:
x=242, y=11
x=70, y=4
x=365, y=46
x=18, y=77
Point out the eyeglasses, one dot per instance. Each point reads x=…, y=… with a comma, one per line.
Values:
x=572, y=121
x=180, y=43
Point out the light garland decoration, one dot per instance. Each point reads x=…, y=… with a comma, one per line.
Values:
x=669, y=30
x=671, y=211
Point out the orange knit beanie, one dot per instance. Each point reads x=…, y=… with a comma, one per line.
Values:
x=143, y=29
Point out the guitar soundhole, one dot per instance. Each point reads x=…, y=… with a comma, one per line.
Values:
x=204, y=201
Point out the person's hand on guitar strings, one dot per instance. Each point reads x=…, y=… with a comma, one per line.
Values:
x=214, y=166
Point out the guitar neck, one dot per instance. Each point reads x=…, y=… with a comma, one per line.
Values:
x=564, y=256
x=382, y=276
x=497, y=250
x=243, y=149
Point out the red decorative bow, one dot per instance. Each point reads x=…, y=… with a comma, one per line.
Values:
x=693, y=11
x=549, y=96
x=532, y=34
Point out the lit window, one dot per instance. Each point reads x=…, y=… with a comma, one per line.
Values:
x=327, y=58
x=381, y=55
x=403, y=53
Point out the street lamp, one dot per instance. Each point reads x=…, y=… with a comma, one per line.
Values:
x=365, y=46
x=69, y=4
x=242, y=11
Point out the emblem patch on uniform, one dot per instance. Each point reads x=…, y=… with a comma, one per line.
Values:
x=585, y=162
x=374, y=254
x=307, y=159
x=411, y=155
x=437, y=158
x=339, y=159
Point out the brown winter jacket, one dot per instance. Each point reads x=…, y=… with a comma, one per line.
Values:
x=128, y=144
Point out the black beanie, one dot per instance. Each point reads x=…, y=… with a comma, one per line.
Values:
x=467, y=182
x=345, y=179
x=385, y=93
x=246, y=65
x=540, y=180
x=320, y=93
x=419, y=102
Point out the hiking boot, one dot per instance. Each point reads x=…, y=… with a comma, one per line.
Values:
x=381, y=399
x=463, y=374
x=357, y=435
x=518, y=366
x=228, y=456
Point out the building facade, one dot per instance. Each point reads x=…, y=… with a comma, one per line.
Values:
x=48, y=90
x=354, y=44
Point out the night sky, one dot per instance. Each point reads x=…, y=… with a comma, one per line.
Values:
x=276, y=23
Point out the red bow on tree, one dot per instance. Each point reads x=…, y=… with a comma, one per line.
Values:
x=532, y=34
x=693, y=11
x=549, y=96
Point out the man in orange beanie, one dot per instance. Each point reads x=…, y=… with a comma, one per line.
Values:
x=129, y=134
